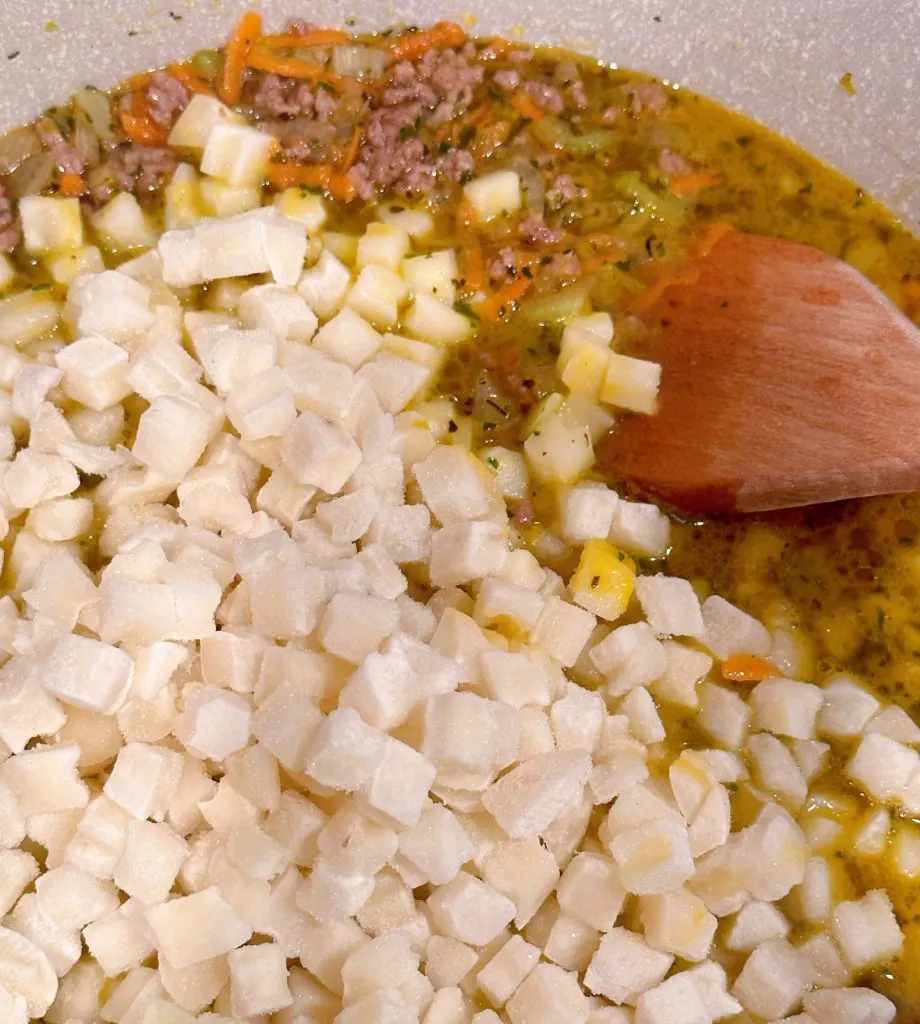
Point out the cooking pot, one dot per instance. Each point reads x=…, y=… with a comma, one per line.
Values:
x=781, y=62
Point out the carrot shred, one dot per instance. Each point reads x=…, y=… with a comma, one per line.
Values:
x=712, y=237
x=292, y=67
x=351, y=153
x=526, y=107
x=136, y=121
x=682, y=274
x=748, y=668
x=413, y=45
x=290, y=40
x=247, y=31
x=474, y=271
x=501, y=301
x=323, y=176
x=71, y=184
x=693, y=182
x=184, y=74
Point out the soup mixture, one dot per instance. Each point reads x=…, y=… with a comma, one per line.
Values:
x=322, y=625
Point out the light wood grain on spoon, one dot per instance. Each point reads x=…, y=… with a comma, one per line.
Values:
x=787, y=379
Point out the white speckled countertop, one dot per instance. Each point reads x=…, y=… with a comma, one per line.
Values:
x=780, y=62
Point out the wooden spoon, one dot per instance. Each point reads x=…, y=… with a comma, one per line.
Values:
x=787, y=379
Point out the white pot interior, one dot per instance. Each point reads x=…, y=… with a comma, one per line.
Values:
x=779, y=62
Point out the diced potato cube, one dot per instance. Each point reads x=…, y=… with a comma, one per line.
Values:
x=383, y=245
x=191, y=929
x=866, y=930
x=66, y=267
x=604, y=580
x=430, y=318
x=194, y=125
x=377, y=294
x=122, y=225
x=222, y=200
x=237, y=154
x=625, y=966
x=434, y=274
x=51, y=224
x=494, y=195
x=305, y=207
x=631, y=383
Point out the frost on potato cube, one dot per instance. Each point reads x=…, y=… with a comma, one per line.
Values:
x=383, y=690
x=754, y=923
x=670, y=605
x=524, y=870
x=456, y=486
x=883, y=767
x=319, y=453
x=548, y=995
x=144, y=779
x=88, y=674
x=465, y=552
x=262, y=406
x=215, y=723
x=94, y=372
x=150, y=862
x=25, y=972
x=500, y=978
x=398, y=787
x=447, y=962
x=587, y=512
x=848, y=708
x=625, y=966
x=724, y=715
x=590, y=891
x=343, y=752
x=45, y=779
x=330, y=895
x=468, y=733
x=685, y=668
x=469, y=910
x=728, y=630
x=577, y=719
x=385, y=962
x=50, y=223
x=675, y=1001
x=516, y=679
x=671, y=865
x=190, y=929
x=629, y=656
x=172, y=435
x=69, y=898
x=786, y=707
x=562, y=630
x=848, y=1006
x=640, y=529
x=527, y=800
x=773, y=980
x=571, y=943
x=119, y=941
x=678, y=922
x=258, y=980
x=378, y=619
x=324, y=287
x=437, y=846
x=866, y=930
x=776, y=770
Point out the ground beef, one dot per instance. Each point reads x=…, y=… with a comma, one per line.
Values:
x=300, y=27
x=577, y=96
x=564, y=190
x=537, y=232
x=547, y=97
x=672, y=163
x=507, y=79
x=167, y=97
x=648, y=96
x=503, y=266
x=610, y=115
x=432, y=90
x=324, y=104
x=564, y=266
x=9, y=224
x=283, y=97
x=132, y=168
x=67, y=159
x=523, y=513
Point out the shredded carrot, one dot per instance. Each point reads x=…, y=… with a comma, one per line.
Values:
x=351, y=153
x=593, y=265
x=711, y=238
x=288, y=175
x=682, y=274
x=290, y=40
x=491, y=136
x=71, y=185
x=292, y=67
x=748, y=668
x=526, y=107
x=184, y=74
x=504, y=299
x=693, y=182
x=474, y=263
x=497, y=47
x=413, y=45
x=136, y=121
x=247, y=31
